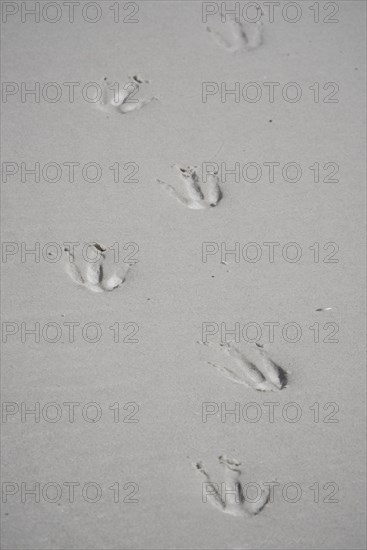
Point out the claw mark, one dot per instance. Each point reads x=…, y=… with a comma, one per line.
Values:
x=100, y=247
x=195, y=200
x=269, y=376
x=233, y=501
x=93, y=279
x=242, y=39
x=121, y=100
x=139, y=79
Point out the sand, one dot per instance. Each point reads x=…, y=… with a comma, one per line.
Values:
x=170, y=292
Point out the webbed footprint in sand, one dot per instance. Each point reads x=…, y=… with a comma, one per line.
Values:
x=243, y=36
x=264, y=374
x=93, y=278
x=120, y=99
x=195, y=197
x=229, y=496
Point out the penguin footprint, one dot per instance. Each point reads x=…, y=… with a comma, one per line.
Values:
x=117, y=99
x=263, y=374
x=195, y=197
x=93, y=277
x=244, y=36
x=229, y=496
